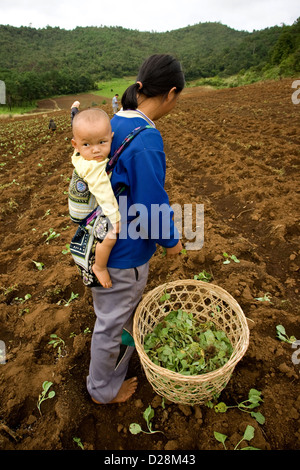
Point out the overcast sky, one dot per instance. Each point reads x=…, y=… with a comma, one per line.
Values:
x=153, y=15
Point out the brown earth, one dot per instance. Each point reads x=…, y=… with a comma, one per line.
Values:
x=237, y=152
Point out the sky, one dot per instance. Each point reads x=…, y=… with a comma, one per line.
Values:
x=153, y=15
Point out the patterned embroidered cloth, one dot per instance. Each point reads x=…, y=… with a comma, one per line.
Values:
x=81, y=201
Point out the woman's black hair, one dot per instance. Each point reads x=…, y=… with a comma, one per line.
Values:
x=157, y=75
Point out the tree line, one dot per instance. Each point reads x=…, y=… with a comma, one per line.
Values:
x=39, y=63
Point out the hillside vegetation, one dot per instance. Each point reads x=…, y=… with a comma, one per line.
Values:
x=38, y=63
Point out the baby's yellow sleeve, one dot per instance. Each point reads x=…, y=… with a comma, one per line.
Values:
x=94, y=173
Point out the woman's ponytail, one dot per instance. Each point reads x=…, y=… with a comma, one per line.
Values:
x=157, y=75
x=129, y=98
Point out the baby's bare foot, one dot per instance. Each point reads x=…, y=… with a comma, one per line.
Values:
x=103, y=276
x=126, y=391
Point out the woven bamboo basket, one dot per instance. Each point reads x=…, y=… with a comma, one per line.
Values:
x=206, y=302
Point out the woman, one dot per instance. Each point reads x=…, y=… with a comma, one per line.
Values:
x=141, y=168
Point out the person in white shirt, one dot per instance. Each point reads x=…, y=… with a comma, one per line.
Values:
x=115, y=103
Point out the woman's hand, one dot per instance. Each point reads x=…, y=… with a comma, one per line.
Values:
x=175, y=250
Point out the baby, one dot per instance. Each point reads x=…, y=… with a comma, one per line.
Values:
x=92, y=137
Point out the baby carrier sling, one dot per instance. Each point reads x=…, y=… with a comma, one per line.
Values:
x=93, y=224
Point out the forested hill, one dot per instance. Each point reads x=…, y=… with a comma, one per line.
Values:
x=36, y=63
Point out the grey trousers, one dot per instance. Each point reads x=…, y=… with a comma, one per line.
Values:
x=114, y=309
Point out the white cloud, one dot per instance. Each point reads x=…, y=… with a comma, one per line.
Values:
x=157, y=15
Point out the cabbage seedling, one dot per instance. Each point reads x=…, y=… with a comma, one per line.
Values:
x=58, y=343
x=66, y=250
x=248, y=435
x=253, y=401
x=73, y=297
x=164, y=297
x=228, y=258
x=38, y=265
x=148, y=414
x=203, y=276
x=221, y=438
x=281, y=334
x=52, y=234
x=67, y=302
x=20, y=300
x=265, y=298
x=45, y=395
x=78, y=442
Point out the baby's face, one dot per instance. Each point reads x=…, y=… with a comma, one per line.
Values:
x=93, y=139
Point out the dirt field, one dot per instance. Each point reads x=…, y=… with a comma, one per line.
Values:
x=237, y=152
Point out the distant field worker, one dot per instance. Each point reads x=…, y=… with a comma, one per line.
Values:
x=74, y=110
x=52, y=125
x=115, y=103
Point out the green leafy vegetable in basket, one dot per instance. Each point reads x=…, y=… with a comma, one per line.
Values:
x=183, y=345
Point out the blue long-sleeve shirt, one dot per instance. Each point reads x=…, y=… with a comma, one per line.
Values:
x=146, y=216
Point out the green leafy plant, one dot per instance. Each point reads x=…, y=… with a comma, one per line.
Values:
x=8, y=290
x=21, y=300
x=221, y=438
x=58, y=343
x=230, y=257
x=22, y=311
x=148, y=415
x=9, y=184
x=78, y=442
x=164, y=297
x=248, y=436
x=38, y=265
x=48, y=211
x=182, y=345
x=51, y=235
x=72, y=297
x=254, y=400
x=45, y=395
x=66, y=250
x=265, y=298
x=67, y=302
x=281, y=334
x=203, y=276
